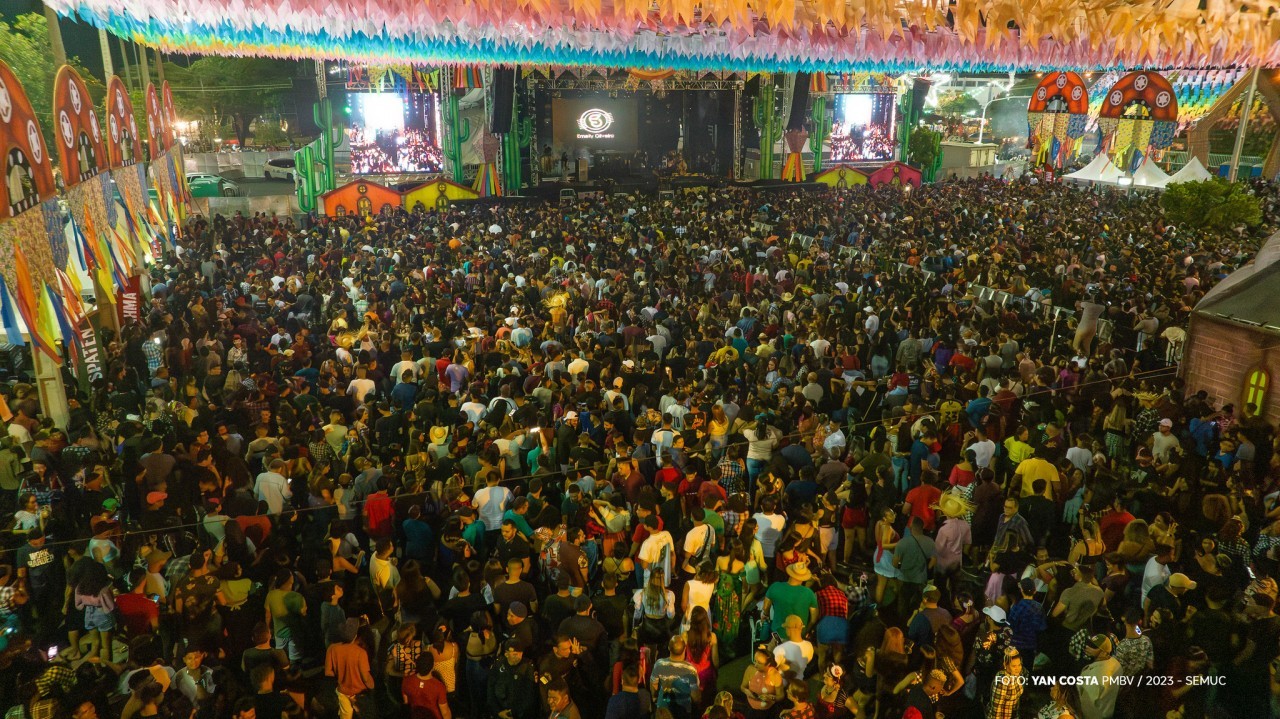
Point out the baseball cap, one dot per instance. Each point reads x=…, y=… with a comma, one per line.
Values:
x=156, y=497
x=518, y=609
x=1166, y=422
x=1178, y=580
x=570, y=415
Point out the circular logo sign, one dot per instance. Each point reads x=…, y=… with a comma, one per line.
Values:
x=64, y=125
x=595, y=121
x=1077, y=92
x=6, y=103
x=115, y=128
x=93, y=124
x=1062, y=81
x=33, y=138
x=1117, y=97
x=1140, y=83
x=1162, y=100
x=1041, y=94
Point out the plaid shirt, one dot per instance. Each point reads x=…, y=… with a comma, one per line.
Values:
x=1006, y=694
x=59, y=675
x=1265, y=544
x=832, y=602
x=732, y=476
x=154, y=353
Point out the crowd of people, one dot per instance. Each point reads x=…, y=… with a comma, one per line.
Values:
x=852, y=143
x=637, y=457
x=391, y=151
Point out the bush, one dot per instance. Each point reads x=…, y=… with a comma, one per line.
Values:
x=1212, y=204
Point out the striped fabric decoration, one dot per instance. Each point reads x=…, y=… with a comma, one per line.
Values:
x=467, y=77
x=818, y=82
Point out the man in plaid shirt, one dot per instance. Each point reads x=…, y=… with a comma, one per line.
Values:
x=1006, y=690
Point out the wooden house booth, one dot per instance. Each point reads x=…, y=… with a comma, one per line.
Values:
x=360, y=197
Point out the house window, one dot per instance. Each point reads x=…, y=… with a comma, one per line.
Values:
x=1256, y=385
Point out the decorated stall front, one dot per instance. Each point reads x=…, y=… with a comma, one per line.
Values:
x=1138, y=117
x=360, y=197
x=895, y=173
x=841, y=176
x=436, y=194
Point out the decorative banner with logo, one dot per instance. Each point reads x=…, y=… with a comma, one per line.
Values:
x=155, y=121
x=123, y=142
x=1138, y=115
x=81, y=153
x=1057, y=115
x=26, y=252
x=169, y=116
x=28, y=176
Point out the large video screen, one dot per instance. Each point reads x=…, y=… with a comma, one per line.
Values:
x=393, y=132
x=863, y=128
x=602, y=123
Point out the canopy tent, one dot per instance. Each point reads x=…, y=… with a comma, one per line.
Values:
x=741, y=35
x=1193, y=171
x=1100, y=169
x=1150, y=175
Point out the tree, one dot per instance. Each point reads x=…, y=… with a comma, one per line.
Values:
x=1212, y=204
x=957, y=102
x=922, y=148
x=232, y=90
x=25, y=46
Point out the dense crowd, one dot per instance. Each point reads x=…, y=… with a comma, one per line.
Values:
x=851, y=143
x=391, y=151
x=638, y=457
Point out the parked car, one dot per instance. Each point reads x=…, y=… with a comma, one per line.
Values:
x=212, y=186
x=280, y=168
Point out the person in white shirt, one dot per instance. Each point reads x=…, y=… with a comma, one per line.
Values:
x=491, y=502
x=795, y=653
x=272, y=487
x=1081, y=455
x=1099, y=689
x=1157, y=570
x=656, y=552
x=983, y=448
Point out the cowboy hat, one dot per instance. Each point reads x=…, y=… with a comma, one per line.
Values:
x=799, y=571
x=439, y=434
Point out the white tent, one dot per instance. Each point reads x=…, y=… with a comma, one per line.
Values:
x=1099, y=170
x=1150, y=175
x=1193, y=171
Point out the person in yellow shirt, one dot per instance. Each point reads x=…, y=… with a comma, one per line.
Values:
x=1037, y=467
x=1016, y=448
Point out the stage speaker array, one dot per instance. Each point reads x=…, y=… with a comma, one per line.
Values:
x=919, y=91
x=504, y=91
x=799, y=102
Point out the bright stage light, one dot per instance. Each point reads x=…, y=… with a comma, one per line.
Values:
x=382, y=111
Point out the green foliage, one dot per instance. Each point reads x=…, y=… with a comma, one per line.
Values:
x=1213, y=204
x=232, y=91
x=922, y=148
x=24, y=46
x=957, y=102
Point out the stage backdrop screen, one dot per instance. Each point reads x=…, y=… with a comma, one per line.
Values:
x=863, y=128
x=601, y=123
x=393, y=132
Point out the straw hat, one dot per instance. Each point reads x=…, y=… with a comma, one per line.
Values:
x=953, y=506
x=799, y=571
x=439, y=434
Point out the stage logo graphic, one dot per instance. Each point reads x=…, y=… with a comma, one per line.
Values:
x=595, y=124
